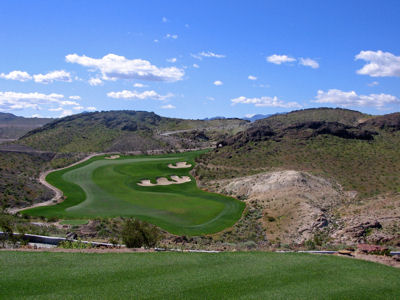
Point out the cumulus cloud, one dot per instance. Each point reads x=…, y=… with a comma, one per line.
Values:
x=196, y=66
x=95, y=81
x=16, y=75
x=218, y=82
x=373, y=83
x=50, y=77
x=251, y=77
x=308, y=62
x=139, y=85
x=171, y=36
x=265, y=101
x=75, y=97
x=114, y=67
x=172, y=60
x=78, y=107
x=125, y=94
x=91, y=108
x=66, y=112
x=168, y=106
x=16, y=100
x=280, y=59
x=381, y=64
x=349, y=99
x=56, y=109
x=207, y=54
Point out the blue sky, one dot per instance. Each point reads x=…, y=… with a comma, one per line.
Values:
x=198, y=59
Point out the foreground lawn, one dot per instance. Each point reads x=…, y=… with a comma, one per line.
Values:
x=102, y=187
x=192, y=275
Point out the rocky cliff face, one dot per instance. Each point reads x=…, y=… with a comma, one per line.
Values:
x=299, y=207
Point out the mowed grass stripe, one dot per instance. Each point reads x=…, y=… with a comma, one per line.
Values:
x=245, y=275
x=108, y=188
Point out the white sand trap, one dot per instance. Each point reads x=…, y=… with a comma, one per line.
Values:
x=180, y=165
x=165, y=181
x=112, y=157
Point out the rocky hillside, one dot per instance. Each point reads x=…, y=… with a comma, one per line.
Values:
x=124, y=131
x=317, y=174
x=299, y=209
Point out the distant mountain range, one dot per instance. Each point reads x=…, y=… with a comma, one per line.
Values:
x=13, y=127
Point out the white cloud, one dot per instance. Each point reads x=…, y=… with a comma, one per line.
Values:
x=164, y=19
x=139, y=85
x=68, y=102
x=95, y=81
x=16, y=100
x=218, y=82
x=381, y=64
x=211, y=98
x=50, y=77
x=75, y=97
x=251, y=77
x=114, y=67
x=36, y=116
x=265, y=101
x=155, y=41
x=279, y=59
x=125, y=94
x=66, y=112
x=207, y=54
x=56, y=109
x=196, y=66
x=308, y=62
x=172, y=60
x=373, y=83
x=16, y=75
x=348, y=99
x=171, y=36
x=78, y=107
x=168, y=106
x=91, y=108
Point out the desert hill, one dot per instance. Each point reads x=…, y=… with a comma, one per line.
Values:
x=125, y=131
x=13, y=127
x=315, y=174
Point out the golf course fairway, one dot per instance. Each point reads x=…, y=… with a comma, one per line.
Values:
x=101, y=187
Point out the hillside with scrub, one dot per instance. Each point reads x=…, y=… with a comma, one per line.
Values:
x=126, y=131
x=357, y=155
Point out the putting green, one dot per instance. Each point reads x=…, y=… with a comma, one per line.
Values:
x=101, y=187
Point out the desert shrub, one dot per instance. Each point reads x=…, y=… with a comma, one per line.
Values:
x=74, y=245
x=310, y=245
x=136, y=234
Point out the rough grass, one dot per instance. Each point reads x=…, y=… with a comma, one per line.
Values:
x=108, y=188
x=74, y=222
x=243, y=275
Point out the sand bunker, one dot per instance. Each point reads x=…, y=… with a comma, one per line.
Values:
x=180, y=165
x=112, y=157
x=165, y=181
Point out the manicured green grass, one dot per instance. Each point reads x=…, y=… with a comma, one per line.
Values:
x=243, y=275
x=74, y=222
x=108, y=188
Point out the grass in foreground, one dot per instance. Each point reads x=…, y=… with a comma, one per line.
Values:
x=192, y=276
x=108, y=188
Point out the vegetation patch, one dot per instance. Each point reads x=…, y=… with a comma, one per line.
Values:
x=109, y=188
